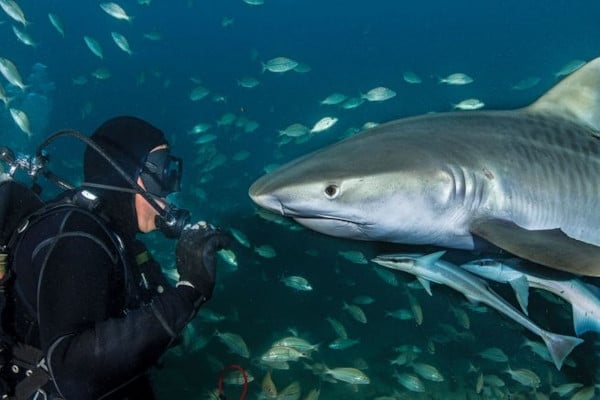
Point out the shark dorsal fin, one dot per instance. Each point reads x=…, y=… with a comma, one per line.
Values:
x=577, y=97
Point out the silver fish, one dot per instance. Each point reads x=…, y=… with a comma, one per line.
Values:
x=427, y=371
x=457, y=79
x=290, y=392
x=585, y=393
x=380, y=93
x=115, y=11
x=410, y=382
x=348, y=375
x=21, y=120
x=469, y=104
x=282, y=354
x=430, y=268
x=279, y=65
x=584, y=301
x=525, y=377
x=57, y=23
x=297, y=282
x=566, y=388
x=356, y=312
x=526, y=83
x=334, y=98
x=411, y=77
x=10, y=72
x=13, y=10
x=343, y=344
x=297, y=343
x=234, y=342
x=23, y=36
x=240, y=237
x=94, y=46
x=3, y=97
x=569, y=68
x=338, y=327
x=121, y=42
x=323, y=124
x=495, y=354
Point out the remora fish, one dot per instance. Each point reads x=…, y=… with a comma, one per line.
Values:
x=585, y=303
x=430, y=268
x=526, y=180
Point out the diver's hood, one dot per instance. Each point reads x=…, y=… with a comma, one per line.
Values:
x=127, y=140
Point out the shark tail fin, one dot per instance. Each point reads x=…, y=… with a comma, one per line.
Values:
x=577, y=97
x=559, y=346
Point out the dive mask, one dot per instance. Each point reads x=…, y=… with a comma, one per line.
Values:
x=161, y=173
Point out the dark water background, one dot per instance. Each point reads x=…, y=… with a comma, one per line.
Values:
x=351, y=47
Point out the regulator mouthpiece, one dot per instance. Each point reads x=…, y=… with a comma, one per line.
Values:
x=172, y=221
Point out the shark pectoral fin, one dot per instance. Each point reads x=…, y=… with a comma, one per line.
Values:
x=551, y=248
x=521, y=288
x=426, y=285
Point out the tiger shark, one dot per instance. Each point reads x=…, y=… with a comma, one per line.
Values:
x=525, y=180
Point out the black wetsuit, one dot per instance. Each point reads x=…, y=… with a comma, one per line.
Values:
x=100, y=318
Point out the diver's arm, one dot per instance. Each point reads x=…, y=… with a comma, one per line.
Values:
x=102, y=359
x=88, y=359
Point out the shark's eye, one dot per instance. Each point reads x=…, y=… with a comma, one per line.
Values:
x=332, y=191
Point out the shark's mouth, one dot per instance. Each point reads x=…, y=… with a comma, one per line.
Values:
x=330, y=224
x=336, y=227
x=288, y=212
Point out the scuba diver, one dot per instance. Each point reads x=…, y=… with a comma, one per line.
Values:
x=89, y=310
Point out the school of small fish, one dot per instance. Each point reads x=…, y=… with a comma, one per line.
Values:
x=308, y=351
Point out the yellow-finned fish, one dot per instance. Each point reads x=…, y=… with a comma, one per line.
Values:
x=290, y=392
x=269, y=389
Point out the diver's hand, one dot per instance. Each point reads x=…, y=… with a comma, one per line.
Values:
x=196, y=256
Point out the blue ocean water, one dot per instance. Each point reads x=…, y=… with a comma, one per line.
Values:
x=350, y=47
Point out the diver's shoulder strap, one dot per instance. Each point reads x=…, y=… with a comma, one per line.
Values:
x=81, y=200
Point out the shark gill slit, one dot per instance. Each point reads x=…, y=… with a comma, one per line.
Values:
x=466, y=188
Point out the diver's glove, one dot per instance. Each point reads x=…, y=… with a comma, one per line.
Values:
x=196, y=257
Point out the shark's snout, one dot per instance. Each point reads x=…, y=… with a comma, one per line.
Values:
x=263, y=197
